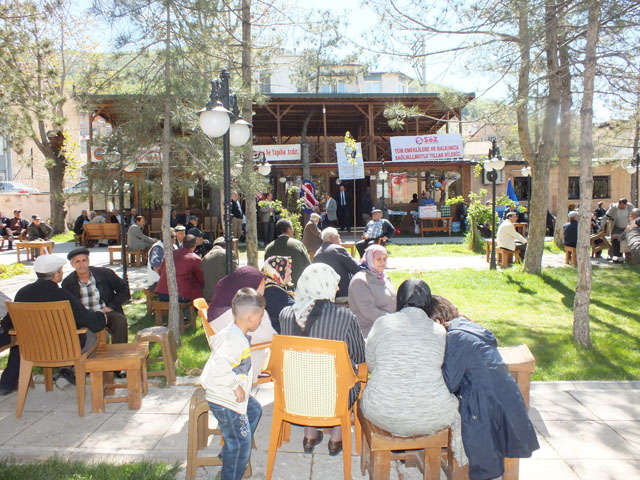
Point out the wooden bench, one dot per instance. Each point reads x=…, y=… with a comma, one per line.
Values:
x=598, y=247
x=570, y=256
x=101, y=231
x=434, y=225
x=506, y=257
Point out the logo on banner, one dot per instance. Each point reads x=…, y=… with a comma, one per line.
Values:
x=308, y=194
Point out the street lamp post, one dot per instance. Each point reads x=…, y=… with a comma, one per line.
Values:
x=632, y=169
x=383, y=175
x=221, y=118
x=493, y=166
x=526, y=172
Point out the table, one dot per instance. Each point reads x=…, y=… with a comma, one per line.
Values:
x=435, y=227
x=521, y=228
x=351, y=246
x=31, y=246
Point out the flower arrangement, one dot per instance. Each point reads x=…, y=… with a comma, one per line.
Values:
x=351, y=149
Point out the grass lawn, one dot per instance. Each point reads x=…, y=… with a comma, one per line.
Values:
x=58, y=469
x=429, y=250
x=537, y=310
x=63, y=237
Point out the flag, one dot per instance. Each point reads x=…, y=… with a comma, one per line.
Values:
x=511, y=193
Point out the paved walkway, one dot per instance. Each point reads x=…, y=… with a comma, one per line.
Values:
x=586, y=430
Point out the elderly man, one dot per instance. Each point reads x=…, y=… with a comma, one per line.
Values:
x=214, y=267
x=337, y=257
x=344, y=209
x=285, y=245
x=618, y=213
x=16, y=226
x=156, y=256
x=624, y=241
x=508, y=238
x=267, y=217
x=330, y=210
x=78, y=226
x=38, y=230
x=632, y=236
x=378, y=228
x=188, y=273
x=570, y=230
x=115, y=216
x=48, y=269
x=202, y=244
x=236, y=215
x=99, y=289
x=4, y=227
x=136, y=239
x=181, y=231
x=94, y=218
x=183, y=218
x=312, y=236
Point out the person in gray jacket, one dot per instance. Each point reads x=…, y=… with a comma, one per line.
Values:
x=267, y=217
x=330, y=211
x=136, y=239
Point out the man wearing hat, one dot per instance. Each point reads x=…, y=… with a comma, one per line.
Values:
x=570, y=230
x=98, y=289
x=48, y=269
x=183, y=218
x=378, y=228
x=181, y=231
x=38, y=230
x=136, y=239
x=16, y=226
x=202, y=244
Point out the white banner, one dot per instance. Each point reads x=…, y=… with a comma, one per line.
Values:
x=426, y=148
x=277, y=153
x=346, y=170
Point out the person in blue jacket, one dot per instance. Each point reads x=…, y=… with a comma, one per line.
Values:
x=495, y=423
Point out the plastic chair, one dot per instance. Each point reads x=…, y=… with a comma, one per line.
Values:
x=48, y=337
x=312, y=379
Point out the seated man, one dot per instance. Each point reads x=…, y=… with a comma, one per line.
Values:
x=156, y=256
x=570, y=230
x=78, y=226
x=312, y=236
x=99, y=289
x=202, y=244
x=115, y=216
x=38, y=230
x=285, y=245
x=624, y=242
x=181, y=231
x=214, y=267
x=378, y=228
x=183, y=218
x=508, y=238
x=188, y=273
x=337, y=257
x=4, y=227
x=16, y=226
x=48, y=269
x=94, y=218
x=136, y=239
x=632, y=236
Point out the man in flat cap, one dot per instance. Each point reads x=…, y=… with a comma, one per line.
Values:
x=181, y=231
x=16, y=226
x=98, y=289
x=38, y=230
x=48, y=269
x=378, y=228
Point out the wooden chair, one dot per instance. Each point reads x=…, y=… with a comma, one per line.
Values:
x=156, y=227
x=48, y=337
x=598, y=247
x=312, y=379
x=570, y=256
x=506, y=257
x=169, y=351
x=150, y=298
x=198, y=437
x=160, y=308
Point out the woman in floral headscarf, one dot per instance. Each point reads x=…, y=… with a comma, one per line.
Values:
x=278, y=290
x=371, y=293
x=315, y=315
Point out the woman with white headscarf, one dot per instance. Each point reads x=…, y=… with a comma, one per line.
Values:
x=315, y=315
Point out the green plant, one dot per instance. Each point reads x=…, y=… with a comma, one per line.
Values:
x=478, y=214
x=284, y=213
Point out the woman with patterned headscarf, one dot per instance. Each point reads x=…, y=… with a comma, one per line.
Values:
x=315, y=315
x=371, y=293
x=278, y=290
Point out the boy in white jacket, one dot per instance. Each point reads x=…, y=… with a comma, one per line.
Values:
x=227, y=379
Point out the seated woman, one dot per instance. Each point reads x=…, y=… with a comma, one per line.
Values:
x=495, y=423
x=371, y=293
x=406, y=394
x=220, y=315
x=315, y=315
x=278, y=289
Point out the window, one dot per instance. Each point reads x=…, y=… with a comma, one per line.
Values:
x=265, y=83
x=325, y=88
x=342, y=87
x=522, y=186
x=601, y=187
x=402, y=88
x=372, y=87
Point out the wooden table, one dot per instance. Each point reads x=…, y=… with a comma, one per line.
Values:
x=351, y=246
x=521, y=228
x=435, y=227
x=32, y=246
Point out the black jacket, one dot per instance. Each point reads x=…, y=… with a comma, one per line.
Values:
x=276, y=299
x=570, y=230
x=235, y=211
x=339, y=259
x=48, y=291
x=494, y=417
x=78, y=226
x=113, y=289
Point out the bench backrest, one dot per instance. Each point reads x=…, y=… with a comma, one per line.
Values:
x=97, y=231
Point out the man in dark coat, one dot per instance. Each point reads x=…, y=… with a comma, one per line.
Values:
x=285, y=245
x=337, y=257
x=495, y=423
x=78, y=226
x=214, y=267
x=570, y=230
x=236, y=216
x=98, y=289
x=48, y=269
x=344, y=209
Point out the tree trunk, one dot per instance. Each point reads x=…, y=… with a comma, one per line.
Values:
x=56, y=197
x=306, y=161
x=564, y=141
x=581, y=329
x=247, y=165
x=540, y=172
x=174, y=319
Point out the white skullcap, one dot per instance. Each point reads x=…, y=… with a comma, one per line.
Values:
x=48, y=264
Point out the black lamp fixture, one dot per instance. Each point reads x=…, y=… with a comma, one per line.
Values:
x=493, y=165
x=221, y=118
x=632, y=168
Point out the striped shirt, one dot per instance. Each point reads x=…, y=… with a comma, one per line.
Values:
x=90, y=295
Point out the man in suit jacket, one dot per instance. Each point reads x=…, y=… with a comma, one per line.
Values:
x=337, y=257
x=236, y=216
x=312, y=236
x=330, y=210
x=285, y=245
x=183, y=218
x=136, y=239
x=98, y=289
x=344, y=209
x=267, y=217
x=37, y=230
x=508, y=238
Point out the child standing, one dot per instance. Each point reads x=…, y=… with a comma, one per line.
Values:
x=227, y=379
